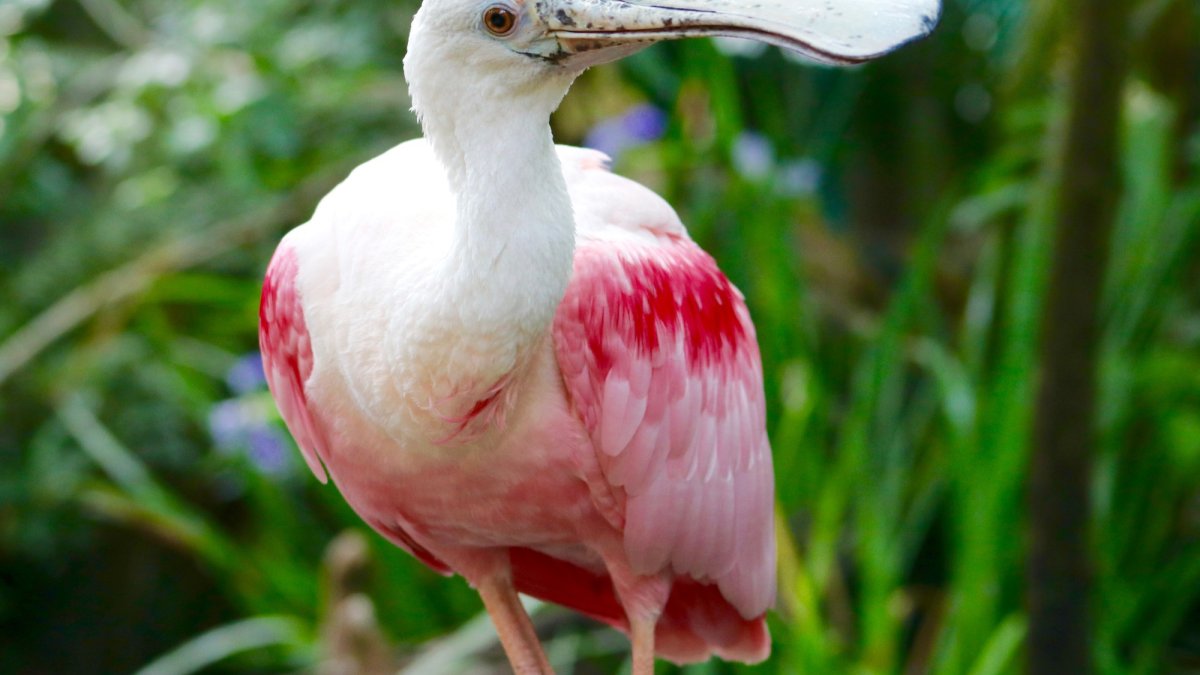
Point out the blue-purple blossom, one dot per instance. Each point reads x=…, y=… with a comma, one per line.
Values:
x=268, y=450
x=242, y=425
x=247, y=374
x=227, y=424
x=639, y=125
x=753, y=156
x=799, y=177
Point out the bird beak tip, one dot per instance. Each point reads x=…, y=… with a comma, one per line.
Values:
x=589, y=32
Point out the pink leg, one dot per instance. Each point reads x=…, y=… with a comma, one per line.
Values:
x=643, y=599
x=513, y=625
x=642, y=634
x=490, y=574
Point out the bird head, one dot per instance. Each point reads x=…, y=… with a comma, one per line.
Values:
x=519, y=57
x=574, y=34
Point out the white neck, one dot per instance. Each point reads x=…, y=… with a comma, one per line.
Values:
x=514, y=233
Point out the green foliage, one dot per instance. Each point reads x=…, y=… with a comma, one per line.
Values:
x=889, y=225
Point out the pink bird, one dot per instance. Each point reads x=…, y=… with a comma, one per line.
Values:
x=516, y=365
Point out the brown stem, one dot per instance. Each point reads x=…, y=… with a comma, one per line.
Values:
x=1059, y=567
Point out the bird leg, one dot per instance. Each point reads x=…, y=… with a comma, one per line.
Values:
x=641, y=633
x=644, y=598
x=516, y=632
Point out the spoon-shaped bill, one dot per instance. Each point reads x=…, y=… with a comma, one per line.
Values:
x=829, y=31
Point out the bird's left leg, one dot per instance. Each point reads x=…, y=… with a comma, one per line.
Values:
x=643, y=598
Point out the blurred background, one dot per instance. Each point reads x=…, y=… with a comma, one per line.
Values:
x=890, y=226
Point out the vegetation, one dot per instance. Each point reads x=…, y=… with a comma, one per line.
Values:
x=892, y=227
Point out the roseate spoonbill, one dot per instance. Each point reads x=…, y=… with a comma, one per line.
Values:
x=516, y=365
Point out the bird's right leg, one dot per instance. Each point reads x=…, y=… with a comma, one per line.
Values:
x=491, y=576
x=641, y=637
x=644, y=598
x=514, y=627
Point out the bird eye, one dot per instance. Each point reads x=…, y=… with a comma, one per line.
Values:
x=499, y=21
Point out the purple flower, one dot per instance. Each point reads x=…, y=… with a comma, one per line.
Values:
x=753, y=156
x=645, y=122
x=799, y=177
x=639, y=125
x=242, y=425
x=247, y=374
x=226, y=424
x=269, y=451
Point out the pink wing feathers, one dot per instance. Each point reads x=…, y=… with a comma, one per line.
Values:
x=660, y=360
x=287, y=355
